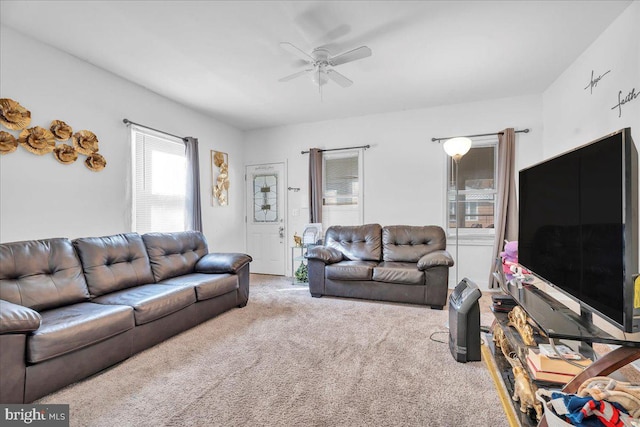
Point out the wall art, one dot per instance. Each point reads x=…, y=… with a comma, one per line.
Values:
x=13, y=115
x=219, y=178
x=621, y=101
x=593, y=82
x=39, y=140
x=8, y=143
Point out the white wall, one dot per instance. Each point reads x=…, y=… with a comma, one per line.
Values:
x=574, y=116
x=404, y=171
x=40, y=198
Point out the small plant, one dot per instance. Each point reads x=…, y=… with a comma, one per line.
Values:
x=302, y=273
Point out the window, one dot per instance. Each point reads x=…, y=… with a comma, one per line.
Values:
x=476, y=191
x=342, y=188
x=159, y=188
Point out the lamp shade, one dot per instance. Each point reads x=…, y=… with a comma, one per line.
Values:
x=457, y=147
x=319, y=76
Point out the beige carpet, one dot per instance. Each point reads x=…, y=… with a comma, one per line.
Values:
x=287, y=359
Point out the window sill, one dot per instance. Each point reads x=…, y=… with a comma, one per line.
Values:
x=471, y=240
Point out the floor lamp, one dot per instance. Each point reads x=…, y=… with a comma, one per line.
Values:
x=456, y=148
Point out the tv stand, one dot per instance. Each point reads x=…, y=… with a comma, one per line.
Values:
x=555, y=322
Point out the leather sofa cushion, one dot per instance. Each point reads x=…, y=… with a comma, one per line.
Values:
x=207, y=286
x=325, y=254
x=358, y=242
x=404, y=243
x=73, y=327
x=112, y=263
x=350, y=270
x=41, y=274
x=151, y=302
x=174, y=254
x=17, y=319
x=405, y=273
x=222, y=262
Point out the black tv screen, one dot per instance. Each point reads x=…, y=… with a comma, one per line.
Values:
x=578, y=226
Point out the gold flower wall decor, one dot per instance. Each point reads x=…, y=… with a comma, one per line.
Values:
x=37, y=140
x=65, y=154
x=220, y=178
x=40, y=141
x=13, y=115
x=8, y=143
x=95, y=162
x=85, y=142
x=60, y=130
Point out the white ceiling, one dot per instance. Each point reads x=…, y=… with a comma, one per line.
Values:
x=223, y=58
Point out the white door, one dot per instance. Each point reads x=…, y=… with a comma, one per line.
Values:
x=266, y=218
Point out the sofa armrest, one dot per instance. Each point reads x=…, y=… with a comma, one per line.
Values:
x=435, y=259
x=16, y=318
x=222, y=263
x=325, y=254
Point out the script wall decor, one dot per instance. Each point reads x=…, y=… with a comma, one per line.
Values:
x=39, y=140
x=219, y=178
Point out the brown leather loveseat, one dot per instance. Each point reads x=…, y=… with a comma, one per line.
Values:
x=397, y=263
x=70, y=309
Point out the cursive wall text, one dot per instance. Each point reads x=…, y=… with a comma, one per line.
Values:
x=621, y=101
x=594, y=80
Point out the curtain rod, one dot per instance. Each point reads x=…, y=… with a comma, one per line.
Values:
x=480, y=134
x=129, y=122
x=338, y=149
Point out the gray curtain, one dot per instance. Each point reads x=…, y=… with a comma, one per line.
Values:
x=506, y=202
x=193, y=208
x=315, y=185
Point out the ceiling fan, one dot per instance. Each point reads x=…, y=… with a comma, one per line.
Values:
x=320, y=63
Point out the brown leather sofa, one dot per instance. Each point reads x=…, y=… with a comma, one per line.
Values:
x=70, y=309
x=397, y=263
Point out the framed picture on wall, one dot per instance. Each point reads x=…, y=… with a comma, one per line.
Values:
x=219, y=178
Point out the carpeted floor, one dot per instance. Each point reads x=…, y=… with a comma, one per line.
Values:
x=287, y=359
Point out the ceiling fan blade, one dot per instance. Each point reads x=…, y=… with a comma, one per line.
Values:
x=352, y=55
x=297, y=51
x=339, y=78
x=294, y=75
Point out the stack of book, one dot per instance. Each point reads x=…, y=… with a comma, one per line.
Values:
x=546, y=365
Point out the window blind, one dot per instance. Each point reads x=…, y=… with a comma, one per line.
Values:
x=341, y=180
x=160, y=182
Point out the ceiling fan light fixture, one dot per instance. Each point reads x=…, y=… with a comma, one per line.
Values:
x=322, y=64
x=319, y=77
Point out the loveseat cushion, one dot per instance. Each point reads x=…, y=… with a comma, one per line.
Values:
x=405, y=243
x=206, y=286
x=73, y=327
x=174, y=254
x=151, y=302
x=358, y=242
x=405, y=273
x=112, y=263
x=350, y=270
x=41, y=274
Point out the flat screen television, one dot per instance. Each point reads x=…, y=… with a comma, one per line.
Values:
x=578, y=226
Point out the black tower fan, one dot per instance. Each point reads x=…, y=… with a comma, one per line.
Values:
x=464, y=322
